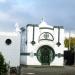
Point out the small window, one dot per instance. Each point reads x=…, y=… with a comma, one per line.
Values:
x=8, y=41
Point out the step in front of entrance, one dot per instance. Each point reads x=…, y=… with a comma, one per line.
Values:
x=39, y=66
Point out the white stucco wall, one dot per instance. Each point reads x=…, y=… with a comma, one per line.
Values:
x=10, y=52
x=32, y=60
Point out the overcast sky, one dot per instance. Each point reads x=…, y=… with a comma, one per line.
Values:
x=55, y=12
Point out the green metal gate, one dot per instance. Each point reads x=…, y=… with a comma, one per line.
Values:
x=45, y=55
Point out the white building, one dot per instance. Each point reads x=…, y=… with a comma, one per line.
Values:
x=10, y=47
x=35, y=45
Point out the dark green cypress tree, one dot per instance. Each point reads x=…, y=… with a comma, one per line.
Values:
x=3, y=66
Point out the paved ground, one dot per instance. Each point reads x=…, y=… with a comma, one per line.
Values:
x=66, y=70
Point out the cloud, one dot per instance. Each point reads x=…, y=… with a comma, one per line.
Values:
x=2, y=1
x=4, y=16
x=56, y=12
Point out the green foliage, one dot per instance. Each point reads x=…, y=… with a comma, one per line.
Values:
x=72, y=42
x=3, y=66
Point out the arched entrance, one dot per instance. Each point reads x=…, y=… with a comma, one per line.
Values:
x=45, y=55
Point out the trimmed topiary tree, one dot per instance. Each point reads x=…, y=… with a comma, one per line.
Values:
x=3, y=66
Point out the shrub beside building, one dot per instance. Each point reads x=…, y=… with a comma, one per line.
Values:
x=3, y=66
